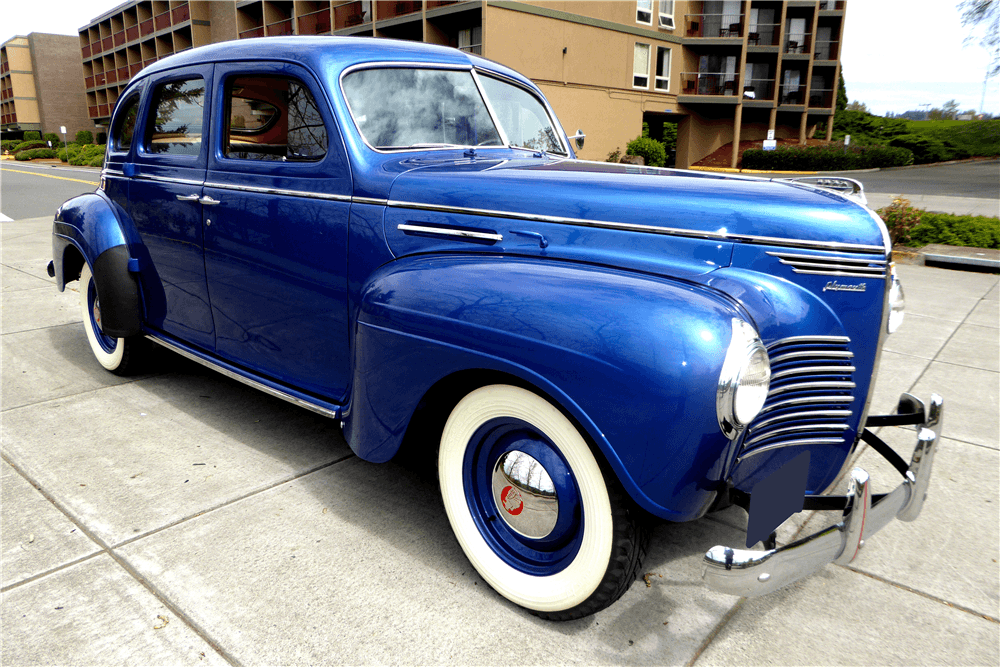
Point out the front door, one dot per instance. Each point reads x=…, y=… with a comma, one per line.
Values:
x=276, y=241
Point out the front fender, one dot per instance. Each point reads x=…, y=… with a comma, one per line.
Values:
x=634, y=359
x=92, y=226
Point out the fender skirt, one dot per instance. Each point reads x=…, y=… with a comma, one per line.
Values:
x=119, y=293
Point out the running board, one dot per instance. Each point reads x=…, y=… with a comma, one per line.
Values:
x=315, y=406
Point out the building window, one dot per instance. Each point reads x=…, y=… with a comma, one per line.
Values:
x=644, y=11
x=640, y=66
x=662, y=69
x=667, y=14
x=470, y=40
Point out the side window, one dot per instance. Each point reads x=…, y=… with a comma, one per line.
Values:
x=178, y=110
x=272, y=118
x=125, y=127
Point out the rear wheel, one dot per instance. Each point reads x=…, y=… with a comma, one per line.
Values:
x=121, y=356
x=532, y=508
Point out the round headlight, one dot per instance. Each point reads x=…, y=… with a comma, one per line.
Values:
x=744, y=380
x=896, y=301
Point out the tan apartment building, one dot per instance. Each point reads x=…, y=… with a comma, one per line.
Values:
x=723, y=70
x=40, y=86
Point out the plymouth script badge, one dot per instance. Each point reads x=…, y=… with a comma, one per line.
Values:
x=834, y=286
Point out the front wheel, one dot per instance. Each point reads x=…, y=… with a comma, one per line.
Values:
x=121, y=356
x=531, y=507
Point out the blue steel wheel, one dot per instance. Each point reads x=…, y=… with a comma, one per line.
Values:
x=118, y=355
x=532, y=508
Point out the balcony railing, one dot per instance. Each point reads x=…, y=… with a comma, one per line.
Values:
x=132, y=33
x=792, y=95
x=180, y=14
x=763, y=34
x=758, y=89
x=821, y=98
x=798, y=43
x=827, y=50
x=146, y=27
x=315, y=23
x=252, y=32
x=434, y=4
x=119, y=38
x=389, y=10
x=123, y=73
x=89, y=81
x=280, y=28
x=102, y=110
x=93, y=111
x=99, y=79
x=349, y=14
x=107, y=44
x=709, y=83
x=86, y=51
x=714, y=25
x=95, y=48
x=162, y=21
x=111, y=76
x=134, y=69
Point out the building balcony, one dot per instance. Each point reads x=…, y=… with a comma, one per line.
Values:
x=723, y=84
x=89, y=82
x=792, y=95
x=827, y=50
x=252, y=32
x=162, y=21
x=93, y=111
x=798, y=44
x=132, y=33
x=349, y=15
x=103, y=110
x=763, y=34
x=100, y=79
x=315, y=23
x=280, y=28
x=390, y=10
x=134, y=69
x=146, y=28
x=180, y=14
x=758, y=90
x=85, y=51
x=95, y=48
x=821, y=98
x=715, y=26
x=123, y=74
x=119, y=38
x=107, y=44
x=111, y=76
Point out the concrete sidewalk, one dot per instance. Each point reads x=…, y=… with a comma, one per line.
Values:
x=183, y=518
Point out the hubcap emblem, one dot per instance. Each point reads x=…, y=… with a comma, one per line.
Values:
x=524, y=495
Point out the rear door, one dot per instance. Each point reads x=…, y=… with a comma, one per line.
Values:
x=164, y=203
x=276, y=241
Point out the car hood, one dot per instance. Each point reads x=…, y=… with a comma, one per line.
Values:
x=642, y=199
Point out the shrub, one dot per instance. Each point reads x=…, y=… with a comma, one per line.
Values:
x=826, y=158
x=32, y=134
x=53, y=137
x=614, y=156
x=900, y=218
x=88, y=154
x=70, y=152
x=35, y=153
x=97, y=161
x=650, y=150
x=8, y=144
x=84, y=137
x=28, y=145
x=975, y=231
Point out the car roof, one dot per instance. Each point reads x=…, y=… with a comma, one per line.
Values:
x=328, y=54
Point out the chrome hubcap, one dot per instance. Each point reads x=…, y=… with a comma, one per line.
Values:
x=97, y=314
x=525, y=495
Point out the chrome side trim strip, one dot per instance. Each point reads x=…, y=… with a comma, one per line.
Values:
x=277, y=393
x=848, y=274
x=812, y=370
x=789, y=443
x=443, y=231
x=795, y=429
x=277, y=191
x=369, y=200
x=793, y=340
x=164, y=179
x=815, y=414
x=646, y=229
x=821, y=258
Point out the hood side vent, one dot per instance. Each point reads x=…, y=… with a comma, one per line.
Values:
x=829, y=265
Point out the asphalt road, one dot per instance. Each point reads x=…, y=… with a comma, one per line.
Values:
x=980, y=180
x=30, y=191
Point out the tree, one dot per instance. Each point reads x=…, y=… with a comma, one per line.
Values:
x=950, y=110
x=841, y=93
x=857, y=106
x=985, y=14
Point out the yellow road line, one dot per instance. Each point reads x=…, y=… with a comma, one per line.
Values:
x=61, y=178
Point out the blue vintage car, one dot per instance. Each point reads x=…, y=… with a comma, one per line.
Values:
x=399, y=236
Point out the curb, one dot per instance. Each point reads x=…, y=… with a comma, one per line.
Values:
x=730, y=170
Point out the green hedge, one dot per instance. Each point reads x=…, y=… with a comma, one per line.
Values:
x=975, y=231
x=32, y=134
x=8, y=144
x=926, y=150
x=28, y=145
x=84, y=137
x=826, y=158
x=35, y=153
x=91, y=155
x=651, y=150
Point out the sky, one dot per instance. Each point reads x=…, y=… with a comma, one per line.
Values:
x=898, y=55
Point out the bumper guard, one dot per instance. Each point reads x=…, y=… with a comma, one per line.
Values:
x=754, y=573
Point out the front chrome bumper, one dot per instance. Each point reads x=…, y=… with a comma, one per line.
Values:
x=754, y=573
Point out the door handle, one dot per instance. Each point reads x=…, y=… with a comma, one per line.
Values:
x=187, y=197
x=208, y=201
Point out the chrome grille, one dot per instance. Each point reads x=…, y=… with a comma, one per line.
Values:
x=810, y=401
x=828, y=265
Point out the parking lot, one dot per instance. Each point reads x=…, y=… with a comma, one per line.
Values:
x=183, y=518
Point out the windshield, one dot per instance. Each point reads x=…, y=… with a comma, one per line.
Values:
x=419, y=108
x=399, y=108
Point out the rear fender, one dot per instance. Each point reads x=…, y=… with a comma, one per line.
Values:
x=633, y=359
x=90, y=228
